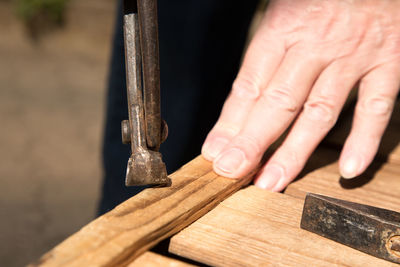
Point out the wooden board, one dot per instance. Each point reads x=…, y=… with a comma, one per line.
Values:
x=266, y=224
x=379, y=186
x=150, y=259
x=259, y=228
x=121, y=235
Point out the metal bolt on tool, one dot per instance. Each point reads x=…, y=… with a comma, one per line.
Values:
x=394, y=246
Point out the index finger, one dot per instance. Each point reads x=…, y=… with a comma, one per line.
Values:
x=260, y=63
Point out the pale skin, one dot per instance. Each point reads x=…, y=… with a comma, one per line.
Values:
x=304, y=60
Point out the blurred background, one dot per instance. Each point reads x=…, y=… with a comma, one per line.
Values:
x=54, y=58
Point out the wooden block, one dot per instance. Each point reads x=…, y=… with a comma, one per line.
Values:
x=150, y=259
x=121, y=235
x=379, y=186
x=259, y=228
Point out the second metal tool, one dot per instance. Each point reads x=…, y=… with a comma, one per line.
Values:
x=369, y=229
x=145, y=130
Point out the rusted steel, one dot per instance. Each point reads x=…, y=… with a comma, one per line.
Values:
x=145, y=166
x=369, y=229
x=147, y=10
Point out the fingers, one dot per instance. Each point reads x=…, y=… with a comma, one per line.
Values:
x=274, y=110
x=260, y=63
x=318, y=116
x=377, y=94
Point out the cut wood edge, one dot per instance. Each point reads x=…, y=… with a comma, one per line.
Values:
x=151, y=259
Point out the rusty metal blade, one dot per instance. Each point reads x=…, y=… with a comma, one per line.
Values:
x=372, y=230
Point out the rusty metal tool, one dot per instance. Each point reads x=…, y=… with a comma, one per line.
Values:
x=372, y=230
x=145, y=130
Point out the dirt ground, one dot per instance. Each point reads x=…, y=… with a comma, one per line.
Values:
x=51, y=113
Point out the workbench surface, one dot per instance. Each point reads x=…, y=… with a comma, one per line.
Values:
x=252, y=227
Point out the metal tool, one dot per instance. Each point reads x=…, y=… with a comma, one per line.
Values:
x=144, y=130
x=369, y=229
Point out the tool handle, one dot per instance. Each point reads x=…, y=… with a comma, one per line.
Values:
x=147, y=11
x=133, y=81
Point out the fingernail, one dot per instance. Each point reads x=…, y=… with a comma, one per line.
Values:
x=271, y=175
x=212, y=149
x=351, y=167
x=230, y=161
x=280, y=185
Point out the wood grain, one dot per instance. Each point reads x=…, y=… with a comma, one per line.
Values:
x=150, y=259
x=379, y=186
x=253, y=226
x=259, y=228
x=121, y=235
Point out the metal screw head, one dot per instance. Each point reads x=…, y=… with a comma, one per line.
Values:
x=393, y=245
x=164, y=131
x=126, y=132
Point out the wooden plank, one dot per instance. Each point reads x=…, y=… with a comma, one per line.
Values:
x=151, y=259
x=121, y=235
x=259, y=228
x=379, y=186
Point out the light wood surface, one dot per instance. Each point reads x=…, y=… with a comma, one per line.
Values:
x=379, y=186
x=259, y=228
x=121, y=235
x=151, y=259
x=253, y=227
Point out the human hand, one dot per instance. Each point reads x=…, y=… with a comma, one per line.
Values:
x=302, y=63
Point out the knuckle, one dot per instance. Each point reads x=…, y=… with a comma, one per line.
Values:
x=249, y=144
x=292, y=155
x=281, y=98
x=295, y=160
x=321, y=110
x=226, y=128
x=378, y=106
x=245, y=88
